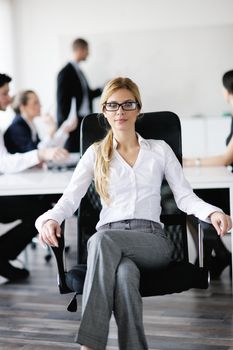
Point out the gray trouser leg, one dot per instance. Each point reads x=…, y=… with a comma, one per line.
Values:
x=97, y=300
x=106, y=249
x=128, y=307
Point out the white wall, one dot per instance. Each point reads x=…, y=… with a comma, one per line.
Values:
x=203, y=137
x=176, y=50
x=6, y=38
x=6, y=51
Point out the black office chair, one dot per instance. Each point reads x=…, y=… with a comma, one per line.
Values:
x=180, y=275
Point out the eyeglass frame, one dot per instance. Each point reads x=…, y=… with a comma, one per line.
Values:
x=121, y=105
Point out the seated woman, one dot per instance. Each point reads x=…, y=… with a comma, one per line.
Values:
x=222, y=257
x=21, y=136
x=227, y=157
x=129, y=234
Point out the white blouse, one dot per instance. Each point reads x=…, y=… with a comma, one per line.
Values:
x=134, y=191
x=13, y=163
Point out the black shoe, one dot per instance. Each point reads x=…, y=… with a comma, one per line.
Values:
x=11, y=272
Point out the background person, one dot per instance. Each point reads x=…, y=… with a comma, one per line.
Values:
x=21, y=136
x=227, y=157
x=24, y=208
x=72, y=87
x=128, y=172
x=216, y=256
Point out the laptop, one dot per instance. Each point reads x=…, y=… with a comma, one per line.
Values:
x=69, y=163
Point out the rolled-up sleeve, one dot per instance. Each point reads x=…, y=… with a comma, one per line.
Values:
x=185, y=198
x=70, y=200
x=14, y=163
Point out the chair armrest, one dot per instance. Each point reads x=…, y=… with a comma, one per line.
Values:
x=204, y=230
x=59, y=253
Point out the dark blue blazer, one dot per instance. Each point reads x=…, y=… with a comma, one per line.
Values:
x=18, y=136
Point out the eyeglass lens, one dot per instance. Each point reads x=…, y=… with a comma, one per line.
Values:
x=126, y=106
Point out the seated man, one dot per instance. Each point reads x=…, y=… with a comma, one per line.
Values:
x=24, y=208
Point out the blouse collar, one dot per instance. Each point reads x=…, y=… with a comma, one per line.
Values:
x=142, y=142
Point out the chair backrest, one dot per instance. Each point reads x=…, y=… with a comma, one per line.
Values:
x=156, y=125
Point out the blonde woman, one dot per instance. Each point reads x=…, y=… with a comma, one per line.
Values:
x=22, y=136
x=128, y=171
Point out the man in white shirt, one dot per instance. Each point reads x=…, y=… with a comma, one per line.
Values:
x=23, y=208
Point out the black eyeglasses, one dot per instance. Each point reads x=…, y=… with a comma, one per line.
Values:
x=126, y=106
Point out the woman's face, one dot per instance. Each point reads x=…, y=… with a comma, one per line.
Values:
x=124, y=118
x=32, y=108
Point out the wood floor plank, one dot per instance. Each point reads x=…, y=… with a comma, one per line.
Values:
x=33, y=314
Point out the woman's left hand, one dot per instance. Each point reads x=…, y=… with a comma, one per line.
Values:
x=221, y=222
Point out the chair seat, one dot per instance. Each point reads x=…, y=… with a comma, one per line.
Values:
x=75, y=278
x=176, y=278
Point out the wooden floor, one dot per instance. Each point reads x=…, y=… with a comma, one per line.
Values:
x=33, y=315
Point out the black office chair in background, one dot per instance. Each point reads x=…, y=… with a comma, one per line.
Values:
x=180, y=275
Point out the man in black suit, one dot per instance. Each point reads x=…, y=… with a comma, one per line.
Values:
x=72, y=87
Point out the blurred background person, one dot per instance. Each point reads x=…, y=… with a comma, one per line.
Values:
x=227, y=157
x=217, y=256
x=73, y=92
x=25, y=208
x=22, y=135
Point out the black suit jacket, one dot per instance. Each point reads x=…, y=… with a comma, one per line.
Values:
x=69, y=86
x=18, y=136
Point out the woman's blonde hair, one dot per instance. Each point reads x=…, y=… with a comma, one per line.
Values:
x=104, y=148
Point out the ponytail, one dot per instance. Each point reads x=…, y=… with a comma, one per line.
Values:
x=104, y=151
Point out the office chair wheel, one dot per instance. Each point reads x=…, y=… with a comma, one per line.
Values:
x=67, y=249
x=33, y=245
x=48, y=257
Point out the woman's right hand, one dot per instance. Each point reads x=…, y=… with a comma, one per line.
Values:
x=56, y=154
x=49, y=233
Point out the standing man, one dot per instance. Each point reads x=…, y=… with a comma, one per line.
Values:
x=72, y=87
x=24, y=208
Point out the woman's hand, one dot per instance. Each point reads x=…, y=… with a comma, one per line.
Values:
x=221, y=222
x=54, y=153
x=49, y=233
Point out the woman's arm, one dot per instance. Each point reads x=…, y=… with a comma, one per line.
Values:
x=220, y=160
x=185, y=198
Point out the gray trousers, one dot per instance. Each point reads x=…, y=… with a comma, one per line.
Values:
x=115, y=254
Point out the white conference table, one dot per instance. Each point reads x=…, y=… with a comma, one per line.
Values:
x=34, y=181
x=42, y=181
x=212, y=178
